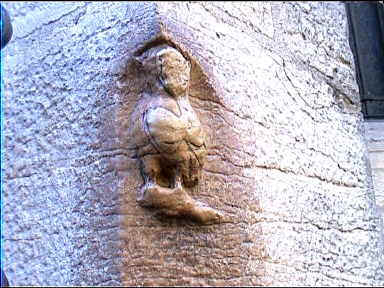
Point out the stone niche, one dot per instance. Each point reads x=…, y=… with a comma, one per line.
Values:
x=273, y=87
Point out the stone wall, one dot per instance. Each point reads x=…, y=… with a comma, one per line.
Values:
x=275, y=89
x=374, y=133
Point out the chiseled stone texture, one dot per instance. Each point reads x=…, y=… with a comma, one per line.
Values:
x=374, y=134
x=274, y=89
x=60, y=220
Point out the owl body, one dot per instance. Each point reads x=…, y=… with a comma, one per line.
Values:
x=168, y=137
x=169, y=131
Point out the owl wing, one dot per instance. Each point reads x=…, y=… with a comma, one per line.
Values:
x=165, y=129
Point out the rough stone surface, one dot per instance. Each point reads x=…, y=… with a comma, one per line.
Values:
x=276, y=94
x=374, y=134
x=60, y=220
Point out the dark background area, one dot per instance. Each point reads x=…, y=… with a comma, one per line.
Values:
x=366, y=27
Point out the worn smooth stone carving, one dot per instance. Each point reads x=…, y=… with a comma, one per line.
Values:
x=168, y=136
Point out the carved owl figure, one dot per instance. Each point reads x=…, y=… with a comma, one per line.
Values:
x=167, y=133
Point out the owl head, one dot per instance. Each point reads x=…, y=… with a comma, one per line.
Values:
x=173, y=71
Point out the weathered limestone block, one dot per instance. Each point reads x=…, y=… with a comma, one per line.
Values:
x=60, y=199
x=374, y=133
x=274, y=89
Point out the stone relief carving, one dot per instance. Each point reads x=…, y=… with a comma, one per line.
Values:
x=169, y=140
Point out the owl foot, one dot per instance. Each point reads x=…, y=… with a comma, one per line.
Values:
x=206, y=215
x=177, y=202
x=144, y=193
x=164, y=198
